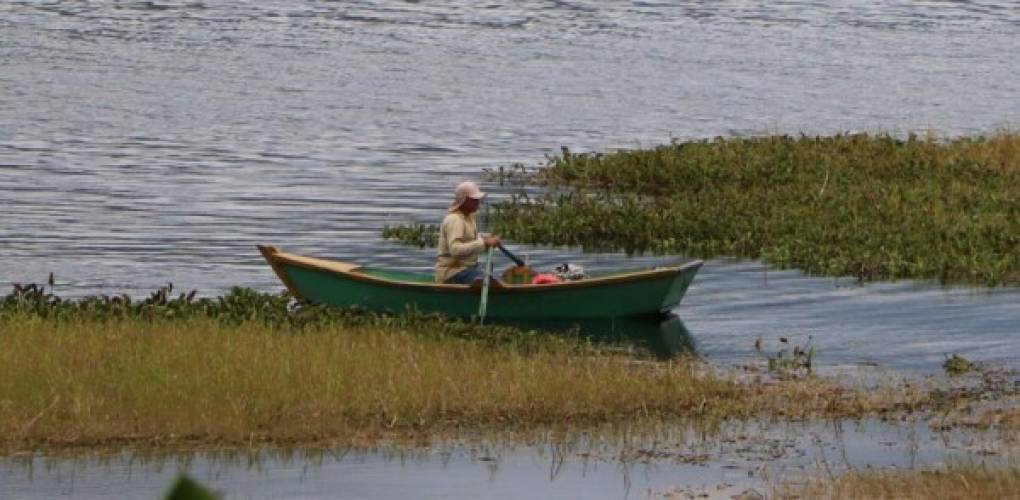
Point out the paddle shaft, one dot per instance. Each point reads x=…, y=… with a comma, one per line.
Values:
x=517, y=260
x=484, y=304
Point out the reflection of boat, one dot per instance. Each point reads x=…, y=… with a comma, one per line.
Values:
x=615, y=295
x=664, y=335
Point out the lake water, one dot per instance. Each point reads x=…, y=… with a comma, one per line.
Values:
x=151, y=142
x=159, y=141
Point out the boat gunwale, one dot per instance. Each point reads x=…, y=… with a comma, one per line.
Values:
x=276, y=257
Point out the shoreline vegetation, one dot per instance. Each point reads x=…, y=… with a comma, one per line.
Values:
x=250, y=368
x=870, y=206
x=953, y=481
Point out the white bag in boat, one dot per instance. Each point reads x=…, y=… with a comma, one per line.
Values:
x=570, y=272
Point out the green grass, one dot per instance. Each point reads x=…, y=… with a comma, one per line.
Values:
x=869, y=206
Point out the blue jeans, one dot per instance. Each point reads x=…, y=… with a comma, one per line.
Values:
x=466, y=277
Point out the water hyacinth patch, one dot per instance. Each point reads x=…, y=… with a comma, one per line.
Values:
x=869, y=206
x=245, y=306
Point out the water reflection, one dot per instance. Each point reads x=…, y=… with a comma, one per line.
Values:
x=665, y=335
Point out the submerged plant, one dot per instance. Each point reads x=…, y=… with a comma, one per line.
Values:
x=957, y=365
x=790, y=361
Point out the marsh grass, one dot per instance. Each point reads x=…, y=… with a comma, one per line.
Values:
x=68, y=383
x=88, y=382
x=869, y=206
x=953, y=482
x=250, y=368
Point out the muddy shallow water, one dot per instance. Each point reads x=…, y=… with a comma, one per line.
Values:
x=741, y=456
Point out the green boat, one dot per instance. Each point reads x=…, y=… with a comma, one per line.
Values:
x=616, y=295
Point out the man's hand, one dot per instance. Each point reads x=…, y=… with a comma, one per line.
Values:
x=492, y=241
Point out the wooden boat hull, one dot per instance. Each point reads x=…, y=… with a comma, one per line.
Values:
x=345, y=284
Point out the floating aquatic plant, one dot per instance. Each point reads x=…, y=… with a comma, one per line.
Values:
x=419, y=235
x=869, y=206
x=246, y=306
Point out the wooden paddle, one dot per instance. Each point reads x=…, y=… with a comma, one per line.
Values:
x=517, y=260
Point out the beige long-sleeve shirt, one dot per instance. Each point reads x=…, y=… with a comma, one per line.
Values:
x=459, y=245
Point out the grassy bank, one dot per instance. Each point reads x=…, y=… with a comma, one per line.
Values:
x=246, y=367
x=93, y=382
x=870, y=206
x=957, y=481
x=153, y=381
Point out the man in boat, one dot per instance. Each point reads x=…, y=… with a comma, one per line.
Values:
x=459, y=240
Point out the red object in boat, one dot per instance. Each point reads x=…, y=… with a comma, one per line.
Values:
x=545, y=279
